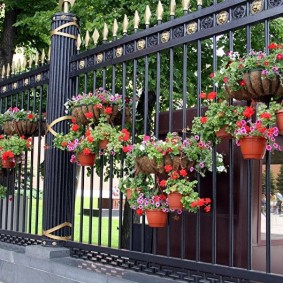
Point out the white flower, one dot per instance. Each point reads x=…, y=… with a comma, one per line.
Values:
x=221, y=168
x=142, y=147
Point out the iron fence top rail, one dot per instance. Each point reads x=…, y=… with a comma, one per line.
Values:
x=206, y=26
x=24, y=81
x=105, y=254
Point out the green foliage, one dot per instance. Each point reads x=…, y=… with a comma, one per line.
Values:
x=3, y=192
x=217, y=116
x=13, y=144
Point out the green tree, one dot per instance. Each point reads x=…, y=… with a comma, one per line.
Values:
x=272, y=183
x=279, y=180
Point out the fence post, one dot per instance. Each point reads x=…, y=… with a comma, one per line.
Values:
x=59, y=186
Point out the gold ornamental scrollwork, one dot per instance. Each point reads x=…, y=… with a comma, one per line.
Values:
x=256, y=6
x=119, y=51
x=165, y=36
x=141, y=44
x=99, y=58
x=60, y=119
x=38, y=77
x=26, y=82
x=222, y=18
x=15, y=85
x=4, y=89
x=192, y=28
x=82, y=64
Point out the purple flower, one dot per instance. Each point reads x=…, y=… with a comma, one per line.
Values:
x=192, y=169
x=275, y=145
x=264, y=72
x=101, y=152
x=140, y=206
x=269, y=147
x=196, y=137
x=157, y=204
x=244, y=123
x=201, y=165
x=179, y=211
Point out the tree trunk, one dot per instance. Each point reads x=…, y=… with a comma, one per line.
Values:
x=7, y=43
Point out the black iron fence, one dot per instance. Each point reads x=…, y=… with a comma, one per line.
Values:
x=159, y=71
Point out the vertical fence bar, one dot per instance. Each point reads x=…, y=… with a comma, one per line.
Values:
x=231, y=175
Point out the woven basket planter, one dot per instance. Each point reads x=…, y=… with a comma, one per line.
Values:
x=258, y=87
x=23, y=128
x=149, y=166
x=78, y=113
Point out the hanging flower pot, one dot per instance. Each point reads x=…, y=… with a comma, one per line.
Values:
x=86, y=160
x=253, y=147
x=279, y=121
x=174, y=200
x=156, y=218
x=103, y=144
x=8, y=164
x=9, y=128
x=257, y=87
x=223, y=134
x=129, y=194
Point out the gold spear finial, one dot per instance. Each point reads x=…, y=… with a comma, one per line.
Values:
x=36, y=59
x=30, y=62
x=95, y=36
x=105, y=32
x=13, y=67
x=115, y=28
x=147, y=15
x=159, y=11
x=8, y=70
x=186, y=5
x=199, y=2
x=24, y=63
x=43, y=56
x=3, y=72
x=136, y=20
x=87, y=38
x=65, y=5
x=49, y=54
x=172, y=7
x=19, y=64
x=125, y=24
x=79, y=42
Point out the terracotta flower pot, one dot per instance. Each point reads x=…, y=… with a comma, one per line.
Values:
x=223, y=134
x=253, y=147
x=257, y=87
x=86, y=160
x=156, y=218
x=279, y=121
x=129, y=194
x=174, y=200
x=8, y=164
x=103, y=144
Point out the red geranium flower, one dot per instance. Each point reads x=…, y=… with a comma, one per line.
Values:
x=174, y=175
x=139, y=211
x=163, y=183
x=86, y=151
x=279, y=56
x=248, y=112
x=64, y=143
x=272, y=45
x=30, y=116
x=97, y=106
x=108, y=110
x=211, y=95
x=203, y=120
x=75, y=127
x=183, y=173
x=202, y=95
x=242, y=83
x=225, y=80
x=212, y=75
x=265, y=115
x=207, y=209
x=89, y=115
x=8, y=155
x=168, y=168
x=73, y=120
x=90, y=138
